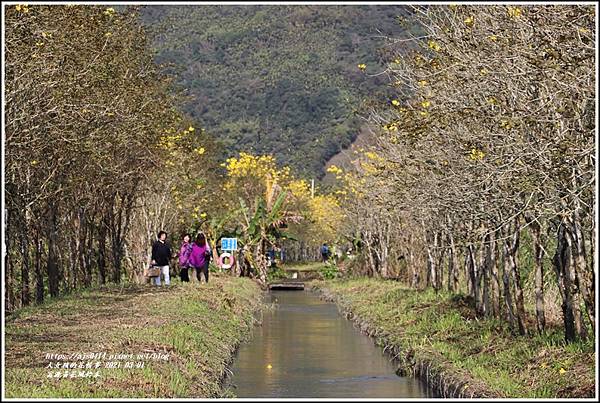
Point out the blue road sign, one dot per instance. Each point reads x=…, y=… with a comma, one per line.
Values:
x=228, y=243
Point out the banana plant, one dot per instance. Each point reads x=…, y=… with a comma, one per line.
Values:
x=263, y=228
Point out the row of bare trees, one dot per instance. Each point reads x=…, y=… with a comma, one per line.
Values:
x=481, y=174
x=86, y=115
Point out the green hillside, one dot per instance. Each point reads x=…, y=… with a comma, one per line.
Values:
x=276, y=79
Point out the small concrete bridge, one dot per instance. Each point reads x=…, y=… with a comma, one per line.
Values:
x=286, y=285
x=295, y=276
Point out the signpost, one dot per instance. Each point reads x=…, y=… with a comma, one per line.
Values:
x=226, y=259
x=229, y=244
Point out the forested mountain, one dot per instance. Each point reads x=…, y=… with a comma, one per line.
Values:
x=277, y=79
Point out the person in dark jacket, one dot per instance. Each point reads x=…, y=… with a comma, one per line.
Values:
x=161, y=255
x=324, y=252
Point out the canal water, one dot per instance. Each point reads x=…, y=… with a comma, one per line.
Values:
x=306, y=349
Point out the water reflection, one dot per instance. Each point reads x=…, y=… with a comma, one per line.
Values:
x=305, y=348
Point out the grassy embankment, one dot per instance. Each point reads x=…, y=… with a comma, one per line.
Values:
x=198, y=325
x=438, y=337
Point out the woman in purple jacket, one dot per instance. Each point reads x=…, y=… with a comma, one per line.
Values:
x=200, y=256
x=184, y=257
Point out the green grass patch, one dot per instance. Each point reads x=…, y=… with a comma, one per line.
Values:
x=444, y=326
x=197, y=326
x=309, y=266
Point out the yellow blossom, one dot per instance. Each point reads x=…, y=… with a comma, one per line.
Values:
x=393, y=126
x=514, y=12
x=469, y=20
x=108, y=34
x=493, y=38
x=422, y=83
x=476, y=155
x=200, y=150
x=362, y=66
x=191, y=129
x=423, y=113
x=395, y=102
x=334, y=169
x=434, y=45
x=562, y=371
x=425, y=104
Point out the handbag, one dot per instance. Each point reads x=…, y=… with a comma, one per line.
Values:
x=153, y=271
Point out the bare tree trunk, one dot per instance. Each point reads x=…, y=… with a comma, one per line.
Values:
x=471, y=272
x=585, y=277
x=8, y=262
x=486, y=267
x=73, y=258
x=431, y=263
x=102, y=231
x=480, y=279
x=52, y=265
x=39, y=277
x=494, y=279
x=384, y=237
x=81, y=246
x=415, y=278
x=260, y=262
x=538, y=253
x=571, y=272
x=452, y=272
x=88, y=253
x=560, y=261
x=506, y=268
x=25, y=264
x=371, y=269
x=511, y=248
x=441, y=250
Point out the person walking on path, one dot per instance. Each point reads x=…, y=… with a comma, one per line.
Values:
x=161, y=254
x=200, y=256
x=324, y=253
x=184, y=258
